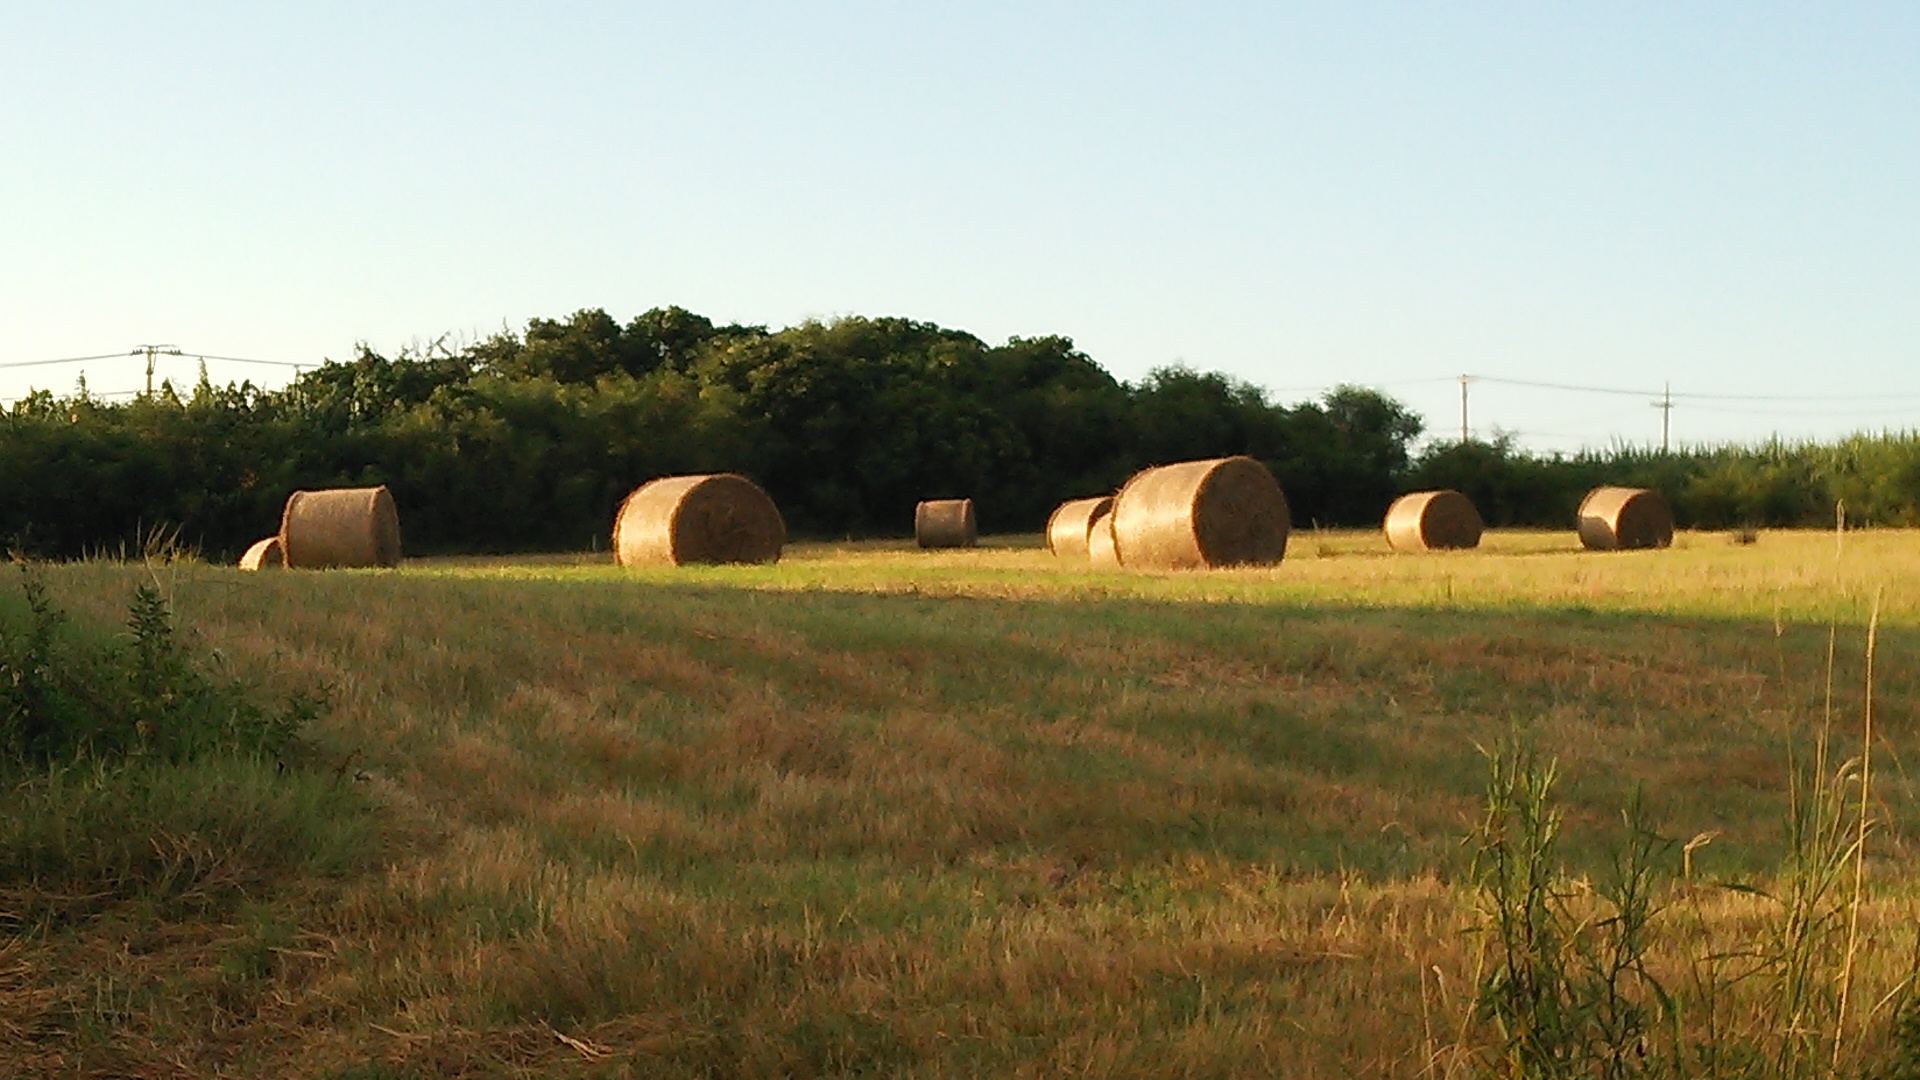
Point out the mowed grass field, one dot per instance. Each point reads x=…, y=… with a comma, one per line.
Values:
x=881, y=811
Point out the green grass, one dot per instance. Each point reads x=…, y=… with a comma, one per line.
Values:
x=878, y=810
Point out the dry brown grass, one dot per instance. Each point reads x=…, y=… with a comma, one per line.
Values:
x=968, y=813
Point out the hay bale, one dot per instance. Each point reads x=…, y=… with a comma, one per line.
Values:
x=1100, y=549
x=1432, y=521
x=1070, y=527
x=264, y=555
x=945, y=523
x=340, y=527
x=709, y=518
x=1201, y=514
x=1620, y=518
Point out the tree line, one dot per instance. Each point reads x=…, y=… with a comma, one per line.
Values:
x=528, y=440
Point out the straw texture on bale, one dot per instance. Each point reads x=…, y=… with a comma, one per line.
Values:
x=340, y=527
x=264, y=555
x=1620, y=518
x=709, y=518
x=1071, y=526
x=945, y=523
x=1100, y=549
x=1433, y=521
x=1200, y=514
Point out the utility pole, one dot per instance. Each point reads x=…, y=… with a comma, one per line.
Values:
x=1464, y=380
x=152, y=351
x=1665, y=405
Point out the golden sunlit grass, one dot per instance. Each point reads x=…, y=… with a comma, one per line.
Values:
x=974, y=812
x=1805, y=576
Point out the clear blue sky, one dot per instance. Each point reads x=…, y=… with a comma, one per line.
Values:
x=1724, y=196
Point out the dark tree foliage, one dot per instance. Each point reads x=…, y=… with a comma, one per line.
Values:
x=528, y=441
x=1347, y=458
x=1508, y=487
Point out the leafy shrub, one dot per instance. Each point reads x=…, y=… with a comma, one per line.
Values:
x=132, y=773
x=62, y=698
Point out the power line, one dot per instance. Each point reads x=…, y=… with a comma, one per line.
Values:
x=1324, y=387
x=1904, y=410
x=156, y=350
x=1690, y=396
x=251, y=360
x=67, y=360
x=151, y=352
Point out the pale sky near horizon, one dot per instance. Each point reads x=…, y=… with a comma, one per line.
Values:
x=1724, y=197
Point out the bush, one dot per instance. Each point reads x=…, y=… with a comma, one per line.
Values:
x=63, y=698
x=135, y=774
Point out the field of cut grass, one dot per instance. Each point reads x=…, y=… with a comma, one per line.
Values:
x=874, y=810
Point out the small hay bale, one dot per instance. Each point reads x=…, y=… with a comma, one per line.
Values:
x=1100, y=549
x=1432, y=521
x=340, y=527
x=1201, y=514
x=264, y=555
x=945, y=523
x=1070, y=528
x=1621, y=518
x=709, y=518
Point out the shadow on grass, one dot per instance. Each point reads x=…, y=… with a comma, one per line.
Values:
x=1107, y=730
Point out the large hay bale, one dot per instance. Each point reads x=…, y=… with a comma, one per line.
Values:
x=264, y=555
x=1432, y=521
x=945, y=523
x=1201, y=514
x=340, y=527
x=1071, y=525
x=709, y=518
x=1619, y=518
x=1100, y=549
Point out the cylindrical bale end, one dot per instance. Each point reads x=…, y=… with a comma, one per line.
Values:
x=709, y=518
x=1433, y=521
x=1070, y=528
x=264, y=555
x=1623, y=518
x=1100, y=548
x=945, y=523
x=1201, y=514
x=340, y=527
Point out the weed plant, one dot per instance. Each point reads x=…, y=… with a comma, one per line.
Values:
x=1570, y=991
x=133, y=772
x=1582, y=979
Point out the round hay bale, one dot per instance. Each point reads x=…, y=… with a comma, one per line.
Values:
x=1100, y=549
x=1201, y=514
x=340, y=527
x=1432, y=521
x=264, y=555
x=945, y=523
x=1621, y=518
x=1071, y=526
x=709, y=518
